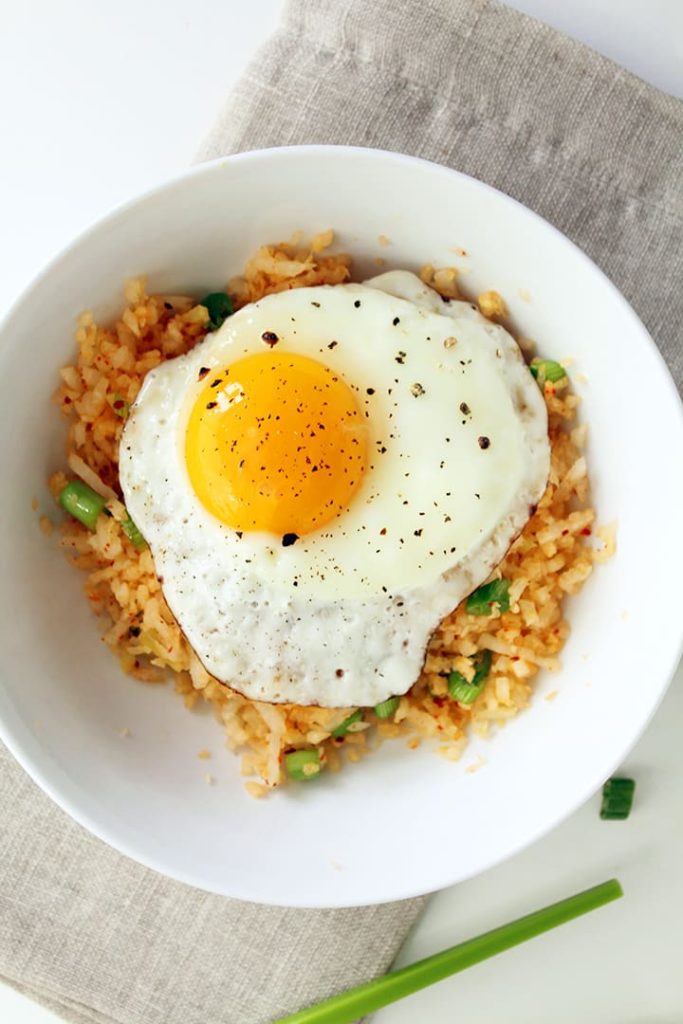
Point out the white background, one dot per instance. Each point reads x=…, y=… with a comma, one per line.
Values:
x=100, y=101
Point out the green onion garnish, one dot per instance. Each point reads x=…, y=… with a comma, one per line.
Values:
x=617, y=799
x=387, y=707
x=120, y=406
x=219, y=306
x=343, y=727
x=483, y=599
x=303, y=765
x=81, y=502
x=132, y=533
x=467, y=692
x=358, y=1002
x=547, y=369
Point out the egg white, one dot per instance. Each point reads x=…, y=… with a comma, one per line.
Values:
x=459, y=453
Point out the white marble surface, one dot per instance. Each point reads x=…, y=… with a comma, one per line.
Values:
x=100, y=101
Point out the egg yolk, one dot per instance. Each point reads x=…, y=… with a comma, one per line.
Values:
x=276, y=442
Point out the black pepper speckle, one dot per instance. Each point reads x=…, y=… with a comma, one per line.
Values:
x=289, y=538
x=484, y=442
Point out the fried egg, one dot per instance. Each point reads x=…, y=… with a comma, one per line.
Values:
x=327, y=476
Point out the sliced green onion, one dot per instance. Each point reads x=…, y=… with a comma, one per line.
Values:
x=387, y=708
x=464, y=691
x=81, y=502
x=483, y=599
x=303, y=765
x=120, y=406
x=617, y=799
x=219, y=306
x=132, y=533
x=344, y=726
x=547, y=369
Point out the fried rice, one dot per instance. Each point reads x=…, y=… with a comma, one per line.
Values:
x=549, y=561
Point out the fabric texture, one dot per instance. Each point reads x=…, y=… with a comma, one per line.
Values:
x=479, y=87
x=102, y=940
x=467, y=83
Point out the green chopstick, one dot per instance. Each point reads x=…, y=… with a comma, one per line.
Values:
x=356, y=1002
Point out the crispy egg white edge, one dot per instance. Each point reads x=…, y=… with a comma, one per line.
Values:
x=377, y=642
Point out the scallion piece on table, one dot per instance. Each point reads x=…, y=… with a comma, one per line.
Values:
x=303, y=765
x=344, y=726
x=373, y=995
x=547, y=369
x=219, y=306
x=133, y=534
x=617, y=799
x=81, y=502
x=483, y=600
x=464, y=691
x=387, y=707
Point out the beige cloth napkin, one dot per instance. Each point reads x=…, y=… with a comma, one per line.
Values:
x=479, y=87
x=482, y=88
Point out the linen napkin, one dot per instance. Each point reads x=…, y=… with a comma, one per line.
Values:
x=474, y=85
x=491, y=92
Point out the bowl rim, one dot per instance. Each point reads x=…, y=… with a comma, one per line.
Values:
x=666, y=387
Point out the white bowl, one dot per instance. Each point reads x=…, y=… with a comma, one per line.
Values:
x=399, y=823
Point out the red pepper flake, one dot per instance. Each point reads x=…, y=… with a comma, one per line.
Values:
x=586, y=531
